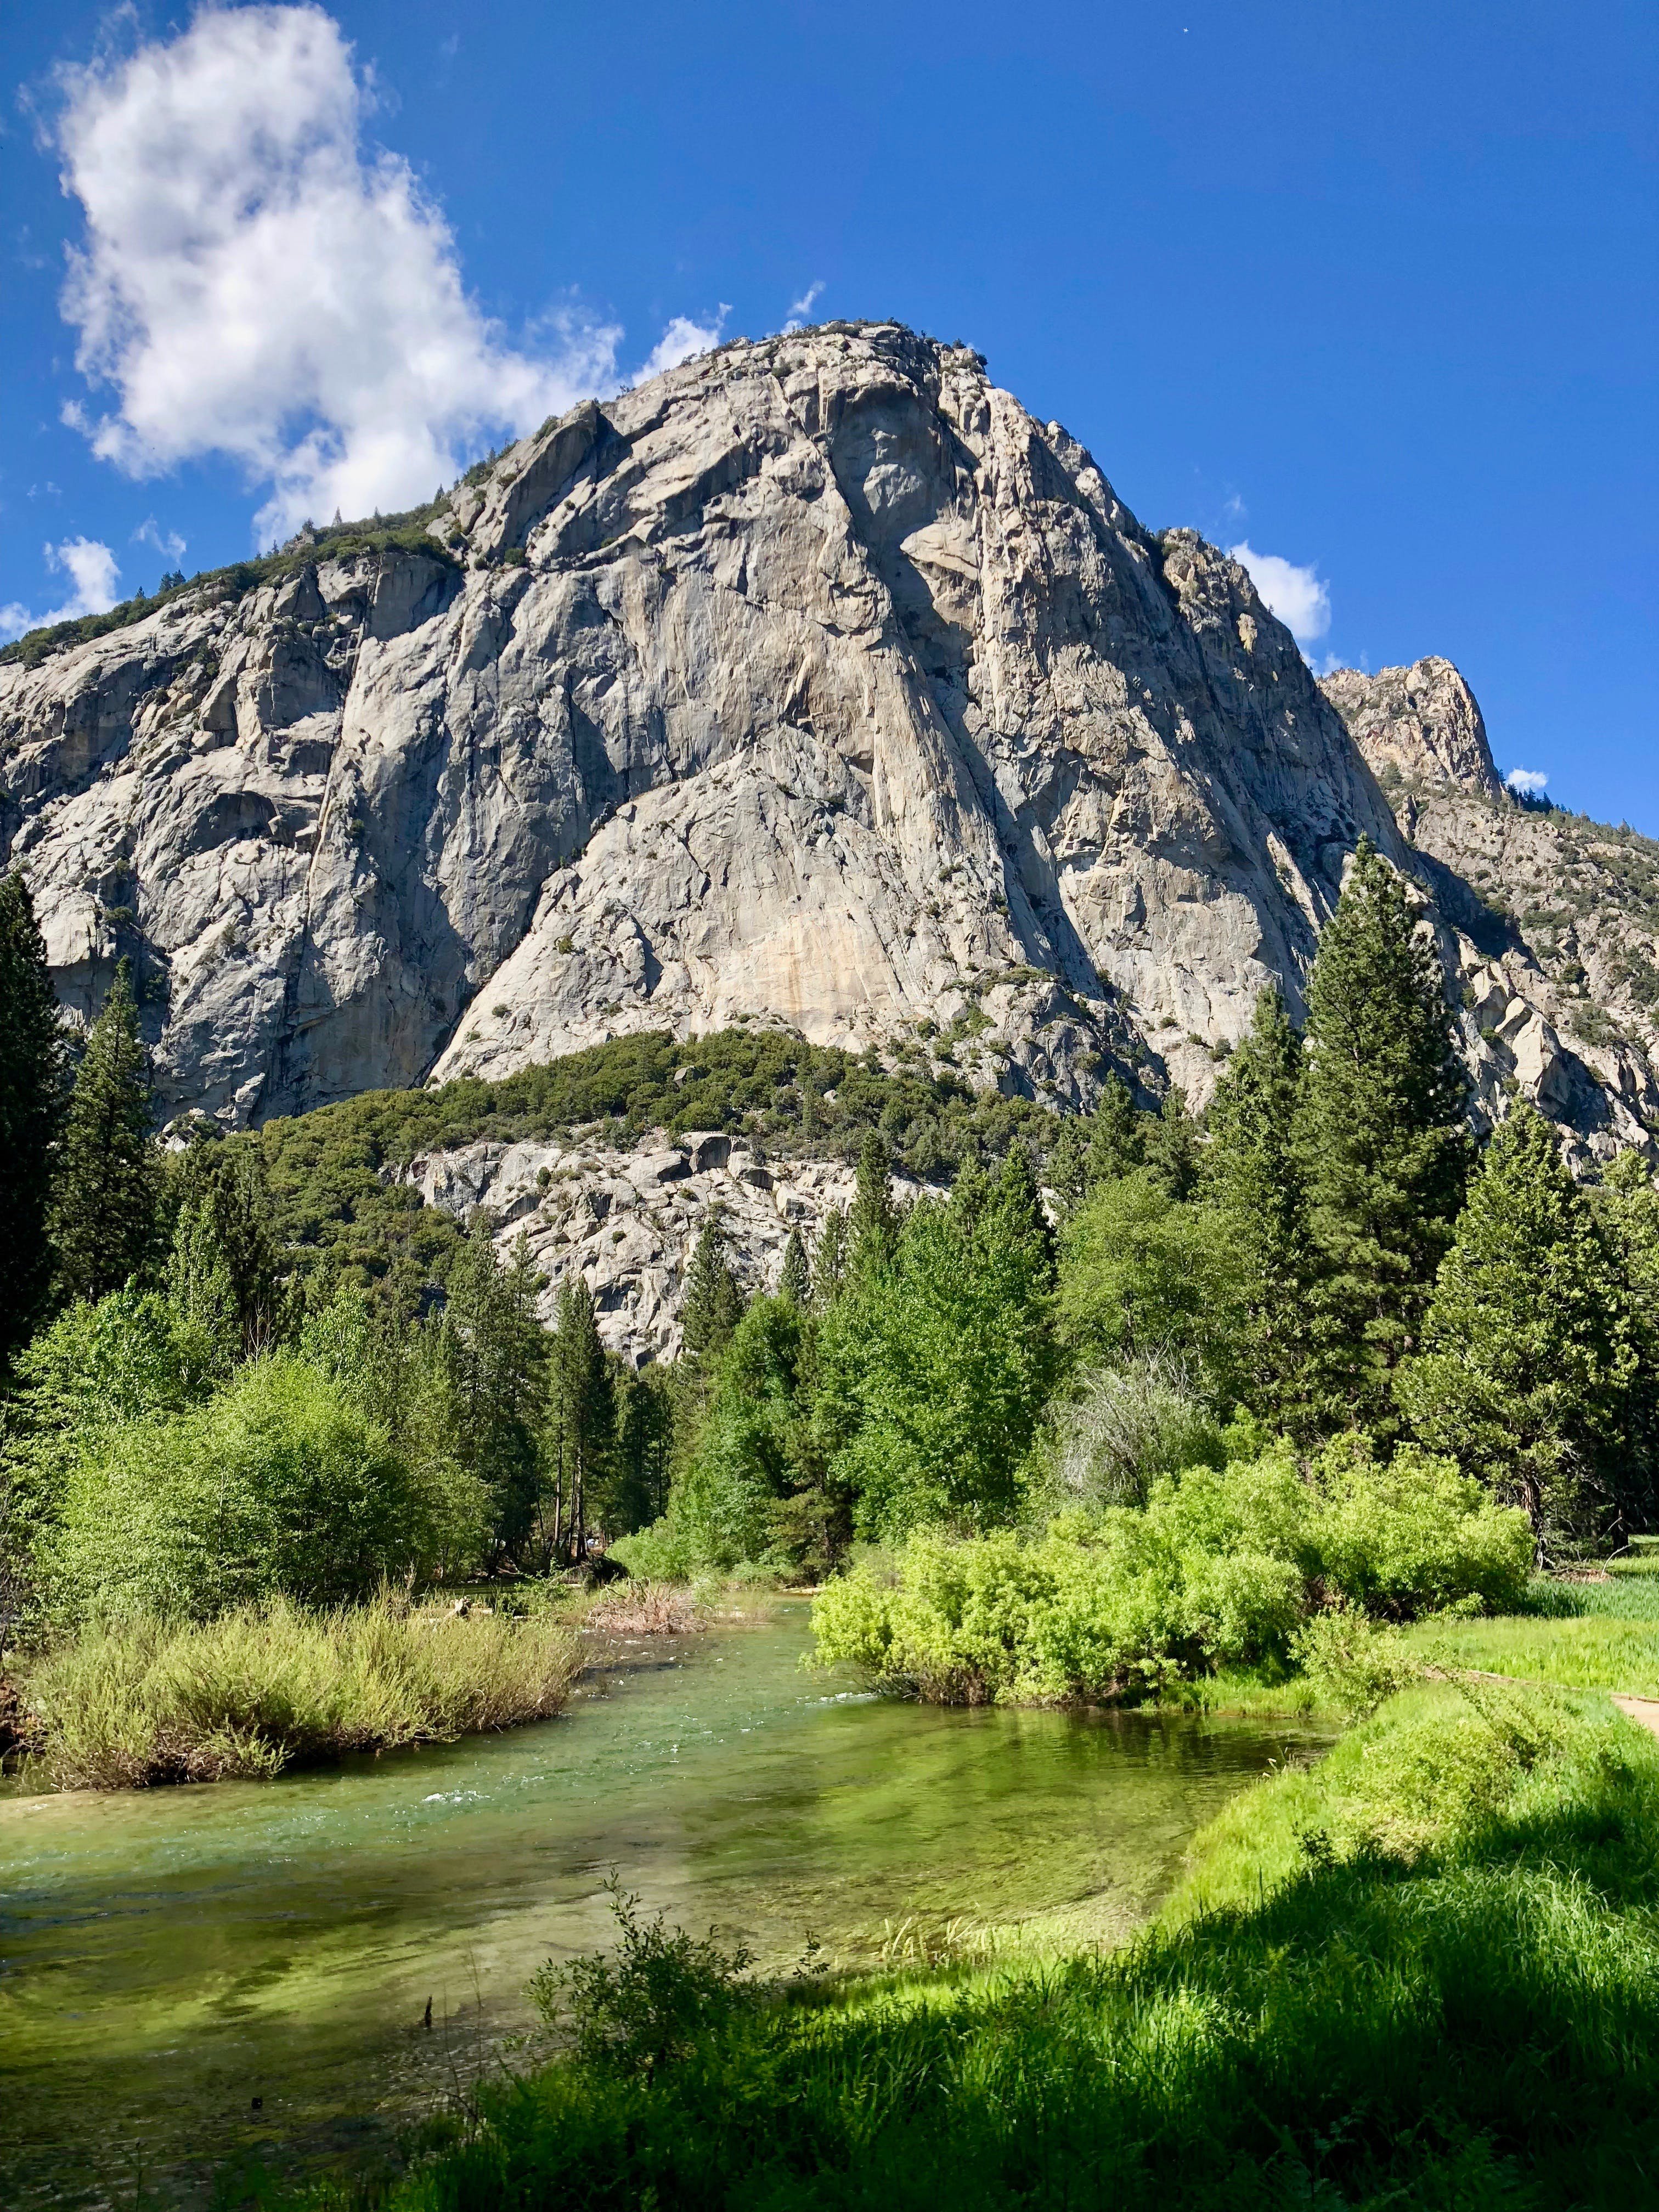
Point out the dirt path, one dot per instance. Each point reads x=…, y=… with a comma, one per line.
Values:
x=1644, y=1710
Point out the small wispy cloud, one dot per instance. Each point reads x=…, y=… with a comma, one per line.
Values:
x=169, y=544
x=92, y=570
x=1298, y=596
x=800, y=309
x=1530, y=782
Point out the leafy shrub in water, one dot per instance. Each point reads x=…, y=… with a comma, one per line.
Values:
x=644, y=2007
x=1221, y=1567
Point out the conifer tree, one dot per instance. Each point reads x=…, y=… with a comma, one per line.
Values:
x=1380, y=1141
x=829, y=1262
x=795, y=1283
x=638, y=1492
x=1527, y=1357
x=1170, y=1145
x=1099, y=1147
x=713, y=1304
x=31, y=1095
x=497, y=1350
x=106, y=1215
x=224, y=1250
x=582, y=1415
x=872, y=1223
x=1251, y=1174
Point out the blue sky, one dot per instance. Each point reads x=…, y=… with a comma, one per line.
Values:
x=1371, y=289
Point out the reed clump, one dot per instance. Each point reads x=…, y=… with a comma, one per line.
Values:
x=130, y=1705
x=645, y=1609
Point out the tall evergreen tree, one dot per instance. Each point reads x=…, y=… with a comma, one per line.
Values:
x=872, y=1222
x=224, y=1248
x=1626, y=1209
x=796, y=1282
x=829, y=1261
x=583, y=1416
x=31, y=1095
x=638, y=1492
x=107, y=1202
x=713, y=1304
x=1170, y=1146
x=1527, y=1357
x=1380, y=1139
x=497, y=1350
x=1099, y=1147
x=1251, y=1173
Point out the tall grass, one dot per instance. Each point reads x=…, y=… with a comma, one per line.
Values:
x=1424, y=1974
x=263, y=1688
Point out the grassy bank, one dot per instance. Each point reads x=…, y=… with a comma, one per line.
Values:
x=1424, y=1973
x=265, y=1688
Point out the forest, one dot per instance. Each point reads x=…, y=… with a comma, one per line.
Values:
x=1323, y=1402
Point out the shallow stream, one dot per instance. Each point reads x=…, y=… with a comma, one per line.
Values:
x=168, y=1958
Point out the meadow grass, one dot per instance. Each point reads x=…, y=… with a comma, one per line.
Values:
x=1424, y=1973
x=1598, y=1652
x=131, y=1705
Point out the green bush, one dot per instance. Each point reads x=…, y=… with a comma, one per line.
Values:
x=278, y=1484
x=1221, y=1567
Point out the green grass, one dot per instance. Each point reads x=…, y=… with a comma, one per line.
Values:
x=1423, y=1974
x=1592, y=1652
x=262, y=1689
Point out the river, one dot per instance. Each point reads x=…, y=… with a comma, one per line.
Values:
x=168, y=1957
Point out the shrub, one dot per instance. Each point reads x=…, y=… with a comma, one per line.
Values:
x=277, y=1484
x=645, y=2007
x=1221, y=1567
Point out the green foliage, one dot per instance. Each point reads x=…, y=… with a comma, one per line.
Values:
x=276, y=1485
x=32, y=1088
x=1221, y=1567
x=260, y=1689
x=795, y=1283
x=646, y=2008
x=1527, y=1357
x=1350, y=1663
x=106, y=1213
x=1252, y=1177
x=938, y=1363
x=1141, y=1273
x=581, y=1421
x=225, y=1268
x=494, y=1350
x=713, y=1304
x=1381, y=1141
x=1122, y=1426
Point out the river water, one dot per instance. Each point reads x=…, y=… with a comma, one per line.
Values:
x=168, y=1958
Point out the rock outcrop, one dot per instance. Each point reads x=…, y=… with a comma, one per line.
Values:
x=815, y=683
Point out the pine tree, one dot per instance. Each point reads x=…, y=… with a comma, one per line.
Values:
x=1250, y=1172
x=497, y=1349
x=713, y=1304
x=1170, y=1145
x=1099, y=1147
x=225, y=1259
x=105, y=1221
x=1528, y=1358
x=583, y=1416
x=872, y=1223
x=32, y=1091
x=796, y=1282
x=829, y=1262
x=638, y=1493
x=1380, y=1139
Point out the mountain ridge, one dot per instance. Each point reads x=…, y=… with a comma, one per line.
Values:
x=815, y=683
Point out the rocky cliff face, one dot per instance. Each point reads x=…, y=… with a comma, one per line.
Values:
x=815, y=683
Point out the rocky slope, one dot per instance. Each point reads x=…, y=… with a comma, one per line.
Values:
x=816, y=684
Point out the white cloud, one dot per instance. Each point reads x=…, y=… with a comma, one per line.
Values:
x=169, y=544
x=92, y=569
x=255, y=283
x=801, y=308
x=1530, y=780
x=1297, y=596
x=681, y=340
